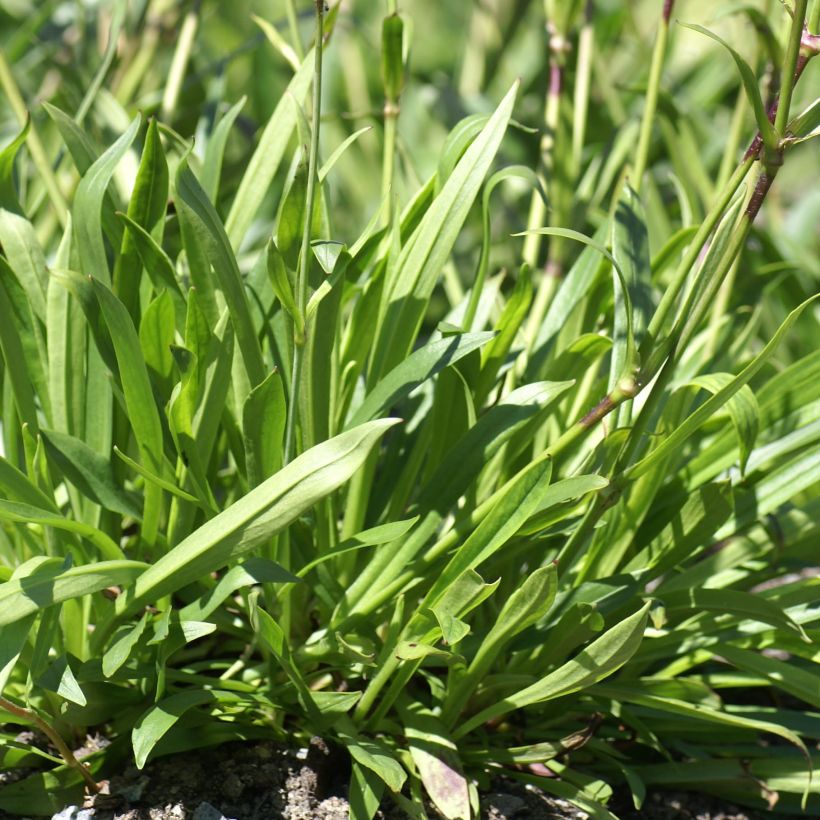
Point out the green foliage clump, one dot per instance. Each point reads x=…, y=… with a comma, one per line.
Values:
x=485, y=451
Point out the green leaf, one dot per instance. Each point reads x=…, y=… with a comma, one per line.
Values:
x=89, y=472
x=8, y=194
x=686, y=531
x=160, y=718
x=268, y=154
x=603, y=657
x=733, y=602
x=21, y=513
x=263, y=428
x=419, y=366
x=211, y=234
x=156, y=262
x=791, y=677
x=630, y=248
x=528, y=604
x=519, y=499
x=291, y=219
x=574, y=287
x=423, y=256
x=365, y=792
x=278, y=41
x=14, y=358
x=459, y=468
x=631, y=694
x=509, y=323
x=58, y=677
x=331, y=161
x=122, y=645
x=750, y=85
x=157, y=336
x=146, y=208
x=672, y=443
x=215, y=150
x=143, y=415
x=13, y=639
x=257, y=516
x=806, y=124
x=25, y=258
x=371, y=754
x=622, y=278
x=742, y=408
x=436, y=758
x=568, y=489
x=48, y=585
x=278, y=275
x=274, y=638
x=249, y=573
x=88, y=203
x=375, y=536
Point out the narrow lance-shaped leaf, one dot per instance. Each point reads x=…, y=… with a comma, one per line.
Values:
x=263, y=427
x=146, y=208
x=750, y=86
x=425, y=253
x=88, y=203
x=49, y=584
x=416, y=368
x=139, y=399
x=597, y=661
x=209, y=227
x=742, y=408
x=436, y=758
x=682, y=432
x=257, y=516
x=25, y=258
x=268, y=155
x=630, y=248
x=8, y=194
x=215, y=150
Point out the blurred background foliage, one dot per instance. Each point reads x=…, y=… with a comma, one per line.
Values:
x=462, y=56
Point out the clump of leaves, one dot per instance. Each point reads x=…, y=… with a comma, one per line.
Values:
x=255, y=483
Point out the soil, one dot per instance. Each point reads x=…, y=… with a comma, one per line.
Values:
x=265, y=781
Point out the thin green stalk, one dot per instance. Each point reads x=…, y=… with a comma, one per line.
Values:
x=391, y=115
x=115, y=25
x=35, y=147
x=658, y=55
x=392, y=66
x=130, y=78
x=551, y=273
x=733, y=141
x=789, y=66
x=304, y=255
x=672, y=292
x=583, y=74
x=719, y=310
x=179, y=62
x=293, y=24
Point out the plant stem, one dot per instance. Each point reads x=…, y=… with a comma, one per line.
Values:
x=790, y=65
x=54, y=737
x=179, y=62
x=304, y=254
x=658, y=55
x=293, y=24
x=583, y=74
x=35, y=147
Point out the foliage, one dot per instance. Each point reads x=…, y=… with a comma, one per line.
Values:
x=326, y=430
